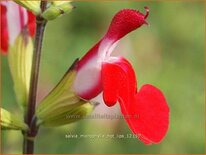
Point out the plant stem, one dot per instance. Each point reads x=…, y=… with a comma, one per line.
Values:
x=28, y=145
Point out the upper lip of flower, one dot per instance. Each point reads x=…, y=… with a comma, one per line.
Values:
x=122, y=23
x=147, y=12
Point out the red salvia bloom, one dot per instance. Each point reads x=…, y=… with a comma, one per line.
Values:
x=113, y=78
x=14, y=19
x=4, y=32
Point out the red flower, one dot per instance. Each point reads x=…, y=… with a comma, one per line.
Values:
x=98, y=73
x=14, y=19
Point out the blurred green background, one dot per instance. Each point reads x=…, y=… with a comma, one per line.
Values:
x=168, y=54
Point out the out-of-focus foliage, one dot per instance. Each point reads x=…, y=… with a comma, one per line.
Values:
x=169, y=54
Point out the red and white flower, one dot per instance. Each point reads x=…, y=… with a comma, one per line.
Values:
x=14, y=20
x=99, y=73
x=17, y=29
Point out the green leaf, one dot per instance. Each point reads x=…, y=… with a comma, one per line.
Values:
x=11, y=122
x=33, y=6
x=20, y=62
x=62, y=101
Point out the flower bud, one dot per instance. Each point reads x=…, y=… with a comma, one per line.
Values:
x=33, y=6
x=56, y=10
x=20, y=62
x=9, y=121
x=61, y=102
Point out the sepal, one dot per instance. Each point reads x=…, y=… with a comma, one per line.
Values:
x=11, y=122
x=62, y=102
x=67, y=114
x=20, y=62
x=33, y=6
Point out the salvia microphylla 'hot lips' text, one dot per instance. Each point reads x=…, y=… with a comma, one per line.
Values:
x=113, y=78
x=14, y=20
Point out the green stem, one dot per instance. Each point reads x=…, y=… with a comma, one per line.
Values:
x=28, y=144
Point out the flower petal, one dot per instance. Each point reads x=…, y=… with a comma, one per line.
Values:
x=4, y=30
x=146, y=112
x=31, y=23
x=88, y=81
x=116, y=75
x=14, y=19
x=153, y=113
x=17, y=18
x=124, y=22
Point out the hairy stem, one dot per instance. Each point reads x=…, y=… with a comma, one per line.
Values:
x=28, y=144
